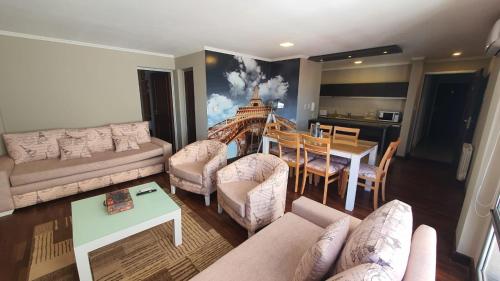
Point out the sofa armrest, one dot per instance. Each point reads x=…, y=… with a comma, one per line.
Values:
x=422, y=261
x=167, y=149
x=218, y=161
x=320, y=214
x=6, y=167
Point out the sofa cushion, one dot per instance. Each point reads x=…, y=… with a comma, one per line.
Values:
x=319, y=258
x=271, y=254
x=138, y=129
x=124, y=143
x=54, y=168
x=192, y=172
x=98, y=138
x=32, y=146
x=72, y=148
x=383, y=237
x=363, y=272
x=235, y=194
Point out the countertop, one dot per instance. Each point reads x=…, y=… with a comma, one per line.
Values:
x=360, y=121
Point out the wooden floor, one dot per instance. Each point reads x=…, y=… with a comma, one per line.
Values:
x=429, y=187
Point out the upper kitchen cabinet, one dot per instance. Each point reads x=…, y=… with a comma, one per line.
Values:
x=385, y=89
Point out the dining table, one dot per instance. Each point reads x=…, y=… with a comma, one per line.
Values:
x=353, y=152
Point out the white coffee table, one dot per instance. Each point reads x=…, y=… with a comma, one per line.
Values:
x=94, y=228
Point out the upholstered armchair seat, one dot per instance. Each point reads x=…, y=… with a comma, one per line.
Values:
x=194, y=167
x=252, y=190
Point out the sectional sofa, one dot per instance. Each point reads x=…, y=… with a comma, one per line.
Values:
x=40, y=167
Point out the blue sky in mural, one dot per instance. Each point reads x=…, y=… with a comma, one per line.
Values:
x=231, y=80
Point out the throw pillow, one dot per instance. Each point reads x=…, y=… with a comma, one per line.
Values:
x=26, y=147
x=138, y=129
x=319, y=258
x=72, y=148
x=363, y=272
x=383, y=237
x=124, y=143
x=98, y=139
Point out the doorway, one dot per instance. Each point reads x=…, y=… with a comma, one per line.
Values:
x=190, y=107
x=156, y=103
x=449, y=107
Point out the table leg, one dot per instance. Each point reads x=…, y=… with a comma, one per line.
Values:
x=178, y=230
x=372, y=158
x=265, y=145
x=83, y=264
x=353, y=183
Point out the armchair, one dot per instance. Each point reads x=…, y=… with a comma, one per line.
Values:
x=194, y=167
x=252, y=190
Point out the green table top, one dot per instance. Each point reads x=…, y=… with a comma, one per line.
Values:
x=91, y=221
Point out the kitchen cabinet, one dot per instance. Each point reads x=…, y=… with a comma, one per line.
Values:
x=390, y=89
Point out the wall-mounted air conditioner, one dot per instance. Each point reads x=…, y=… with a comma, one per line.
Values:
x=493, y=43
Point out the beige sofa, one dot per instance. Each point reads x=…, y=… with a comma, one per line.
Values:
x=275, y=252
x=32, y=182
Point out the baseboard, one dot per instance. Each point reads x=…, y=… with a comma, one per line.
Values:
x=6, y=213
x=465, y=261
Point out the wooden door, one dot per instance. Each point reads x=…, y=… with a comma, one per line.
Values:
x=190, y=108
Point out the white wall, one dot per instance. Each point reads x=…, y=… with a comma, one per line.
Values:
x=483, y=181
x=56, y=85
x=309, y=87
x=196, y=62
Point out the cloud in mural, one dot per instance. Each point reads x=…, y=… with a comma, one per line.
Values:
x=219, y=108
x=274, y=88
x=249, y=75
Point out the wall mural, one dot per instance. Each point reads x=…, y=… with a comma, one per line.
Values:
x=240, y=91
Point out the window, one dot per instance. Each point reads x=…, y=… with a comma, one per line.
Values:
x=489, y=263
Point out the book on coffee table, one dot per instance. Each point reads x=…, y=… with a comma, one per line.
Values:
x=118, y=201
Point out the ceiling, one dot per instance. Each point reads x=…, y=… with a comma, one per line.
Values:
x=430, y=28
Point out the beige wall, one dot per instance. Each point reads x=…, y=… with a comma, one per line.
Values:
x=56, y=85
x=309, y=86
x=394, y=73
x=483, y=180
x=456, y=65
x=196, y=62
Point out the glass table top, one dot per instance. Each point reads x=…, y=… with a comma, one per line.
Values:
x=91, y=220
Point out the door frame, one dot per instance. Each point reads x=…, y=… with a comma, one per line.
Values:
x=418, y=109
x=174, y=100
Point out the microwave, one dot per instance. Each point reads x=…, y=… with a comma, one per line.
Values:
x=393, y=116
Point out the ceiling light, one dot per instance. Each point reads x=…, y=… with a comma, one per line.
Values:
x=358, y=62
x=456, y=54
x=349, y=56
x=286, y=44
x=321, y=60
x=385, y=52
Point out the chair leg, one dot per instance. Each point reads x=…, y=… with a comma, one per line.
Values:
x=325, y=191
x=219, y=208
x=345, y=181
x=383, y=189
x=304, y=179
x=172, y=189
x=375, y=195
x=207, y=200
x=297, y=178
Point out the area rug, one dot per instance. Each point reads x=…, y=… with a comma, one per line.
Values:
x=149, y=255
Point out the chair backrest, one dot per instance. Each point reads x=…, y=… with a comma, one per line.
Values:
x=383, y=167
x=288, y=140
x=318, y=146
x=327, y=129
x=345, y=135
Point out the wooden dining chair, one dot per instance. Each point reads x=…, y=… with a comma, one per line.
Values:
x=327, y=129
x=270, y=130
x=289, y=151
x=345, y=135
x=322, y=166
x=377, y=175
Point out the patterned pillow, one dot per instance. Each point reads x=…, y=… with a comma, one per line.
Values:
x=363, y=272
x=98, y=139
x=26, y=147
x=383, y=237
x=72, y=148
x=124, y=143
x=318, y=259
x=139, y=129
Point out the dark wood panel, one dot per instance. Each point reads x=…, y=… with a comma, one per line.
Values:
x=392, y=89
x=190, y=108
x=376, y=51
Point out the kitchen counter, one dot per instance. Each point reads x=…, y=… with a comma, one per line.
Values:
x=361, y=121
